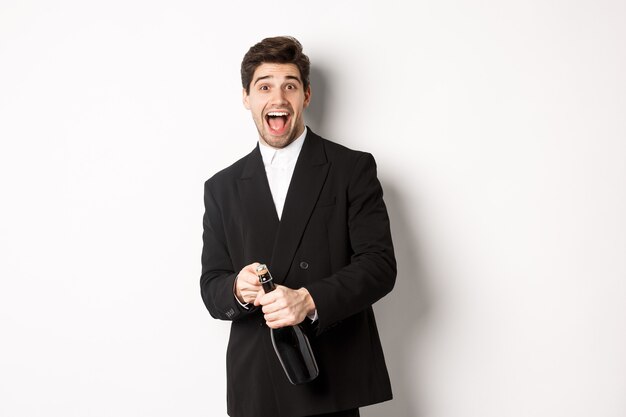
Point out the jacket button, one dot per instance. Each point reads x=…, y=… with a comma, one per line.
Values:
x=304, y=265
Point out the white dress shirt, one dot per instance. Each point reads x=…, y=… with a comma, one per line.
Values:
x=279, y=166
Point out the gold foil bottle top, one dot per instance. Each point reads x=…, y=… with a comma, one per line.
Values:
x=265, y=278
x=261, y=270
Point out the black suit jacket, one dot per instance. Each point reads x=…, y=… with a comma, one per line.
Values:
x=333, y=239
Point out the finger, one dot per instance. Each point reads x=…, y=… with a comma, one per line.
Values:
x=249, y=277
x=270, y=298
x=273, y=318
x=274, y=311
x=249, y=296
x=252, y=284
x=258, y=296
x=274, y=306
x=277, y=324
x=243, y=287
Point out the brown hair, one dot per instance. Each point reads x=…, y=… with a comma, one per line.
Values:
x=277, y=50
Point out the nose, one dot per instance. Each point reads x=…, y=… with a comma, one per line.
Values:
x=278, y=97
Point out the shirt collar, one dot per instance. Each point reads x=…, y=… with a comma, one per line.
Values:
x=282, y=156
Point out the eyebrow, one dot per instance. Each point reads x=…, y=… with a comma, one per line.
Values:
x=289, y=77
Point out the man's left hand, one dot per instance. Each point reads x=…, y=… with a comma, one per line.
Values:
x=285, y=306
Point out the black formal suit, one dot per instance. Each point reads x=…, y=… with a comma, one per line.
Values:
x=333, y=239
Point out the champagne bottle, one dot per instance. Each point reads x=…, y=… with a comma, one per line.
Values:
x=290, y=343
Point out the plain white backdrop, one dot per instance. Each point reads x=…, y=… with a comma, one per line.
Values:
x=499, y=128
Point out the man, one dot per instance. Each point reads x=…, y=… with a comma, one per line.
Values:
x=312, y=210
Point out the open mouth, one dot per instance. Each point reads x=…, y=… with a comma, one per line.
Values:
x=277, y=121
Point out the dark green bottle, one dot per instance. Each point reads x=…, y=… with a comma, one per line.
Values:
x=290, y=343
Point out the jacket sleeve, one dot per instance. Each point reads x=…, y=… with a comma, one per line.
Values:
x=371, y=273
x=218, y=274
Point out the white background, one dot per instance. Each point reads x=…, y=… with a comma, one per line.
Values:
x=500, y=135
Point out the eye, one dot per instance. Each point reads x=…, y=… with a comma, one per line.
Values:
x=264, y=88
x=290, y=87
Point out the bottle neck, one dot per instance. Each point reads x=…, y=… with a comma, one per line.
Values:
x=267, y=282
x=265, y=278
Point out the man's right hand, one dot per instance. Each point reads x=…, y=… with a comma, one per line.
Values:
x=247, y=284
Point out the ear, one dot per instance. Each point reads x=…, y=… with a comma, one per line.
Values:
x=246, y=99
x=307, y=96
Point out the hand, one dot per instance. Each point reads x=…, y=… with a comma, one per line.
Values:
x=247, y=285
x=285, y=306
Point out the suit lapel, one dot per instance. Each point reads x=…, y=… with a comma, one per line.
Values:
x=306, y=183
x=260, y=220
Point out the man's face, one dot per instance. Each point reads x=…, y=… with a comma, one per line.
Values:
x=277, y=100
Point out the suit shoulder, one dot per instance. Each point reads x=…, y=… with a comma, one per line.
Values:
x=228, y=174
x=346, y=157
x=336, y=150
